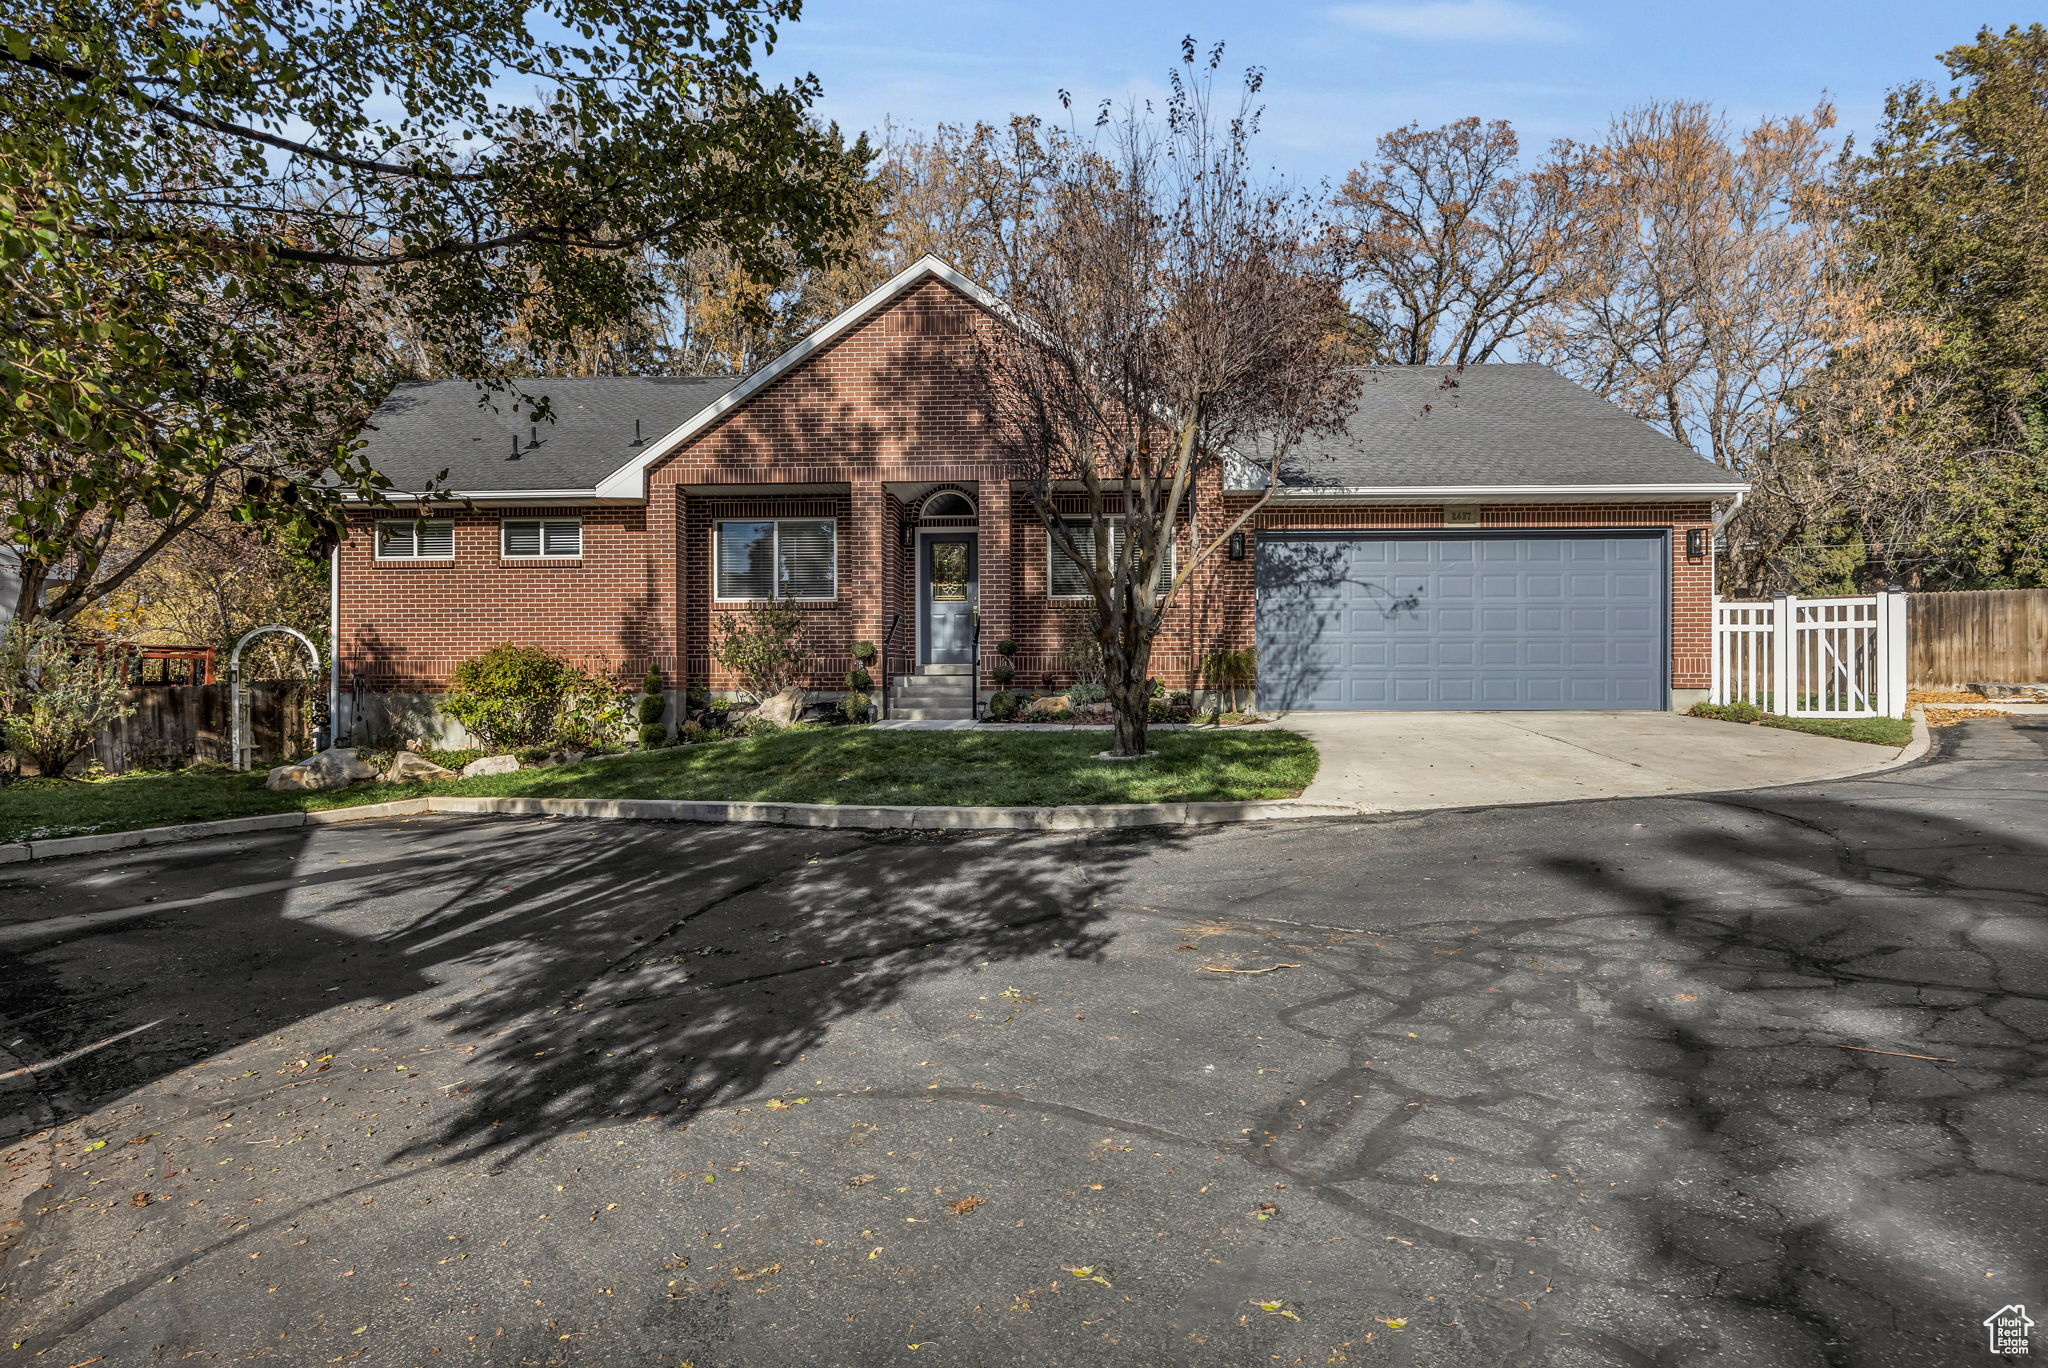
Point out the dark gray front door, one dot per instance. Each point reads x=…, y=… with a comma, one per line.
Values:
x=1364, y=622
x=946, y=597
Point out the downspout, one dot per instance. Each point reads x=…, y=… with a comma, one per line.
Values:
x=334, y=648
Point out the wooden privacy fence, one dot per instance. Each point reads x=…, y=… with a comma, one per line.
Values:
x=1997, y=636
x=176, y=724
x=1814, y=657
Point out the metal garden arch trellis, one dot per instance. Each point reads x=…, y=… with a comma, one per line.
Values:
x=238, y=750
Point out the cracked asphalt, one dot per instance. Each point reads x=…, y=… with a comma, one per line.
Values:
x=1559, y=1085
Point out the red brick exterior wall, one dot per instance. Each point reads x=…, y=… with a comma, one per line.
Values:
x=887, y=409
x=405, y=624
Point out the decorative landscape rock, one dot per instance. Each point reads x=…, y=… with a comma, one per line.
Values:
x=407, y=768
x=2012, y=692
x=329, y=769
x=491, y=764
x=783, y=708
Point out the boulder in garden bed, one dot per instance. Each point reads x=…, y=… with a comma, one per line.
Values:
x=491, y=764
x=330, y=769
x=783, y=708
x=408, y=768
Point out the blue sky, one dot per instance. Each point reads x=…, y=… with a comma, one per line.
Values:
x=1341, y=73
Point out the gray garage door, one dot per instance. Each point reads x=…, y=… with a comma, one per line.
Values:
x=1351, y=621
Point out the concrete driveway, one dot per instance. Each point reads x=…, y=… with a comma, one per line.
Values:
x=1405, y=762
x=1751, y=1079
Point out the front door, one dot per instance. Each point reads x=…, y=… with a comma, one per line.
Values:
x=946, y=597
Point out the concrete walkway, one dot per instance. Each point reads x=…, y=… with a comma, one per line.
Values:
x=1398, y=762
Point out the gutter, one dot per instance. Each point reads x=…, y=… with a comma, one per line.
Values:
x=1498, y=493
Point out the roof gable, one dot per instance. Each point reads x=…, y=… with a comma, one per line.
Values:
x=630, y=480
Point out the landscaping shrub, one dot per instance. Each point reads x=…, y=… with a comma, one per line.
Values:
x=1170, y=708
x=1231, y=671
x=1006, y=648
x=859, y=681
x=1002, y=673
x=1084, y=694
x=854, y=706
x=1002, y=706
x=523, y=697
x=57, y=691
x=864, y=651
x=653, y=710
x=1080, y=653
x=763, y=646
x=1727, y=712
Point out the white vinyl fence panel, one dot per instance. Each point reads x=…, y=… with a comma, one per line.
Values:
x=1813, y=657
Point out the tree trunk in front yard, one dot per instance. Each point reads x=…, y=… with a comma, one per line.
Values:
x=1127, y=668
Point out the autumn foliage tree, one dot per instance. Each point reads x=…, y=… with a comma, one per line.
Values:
x=1182, y=314
x=194, y=202
x=1453, y=245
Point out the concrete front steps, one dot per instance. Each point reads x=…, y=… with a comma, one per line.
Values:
x=936, y=693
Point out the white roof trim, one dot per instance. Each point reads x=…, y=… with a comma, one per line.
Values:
x=490, y=495
x=630, y=481
x=1539, y=493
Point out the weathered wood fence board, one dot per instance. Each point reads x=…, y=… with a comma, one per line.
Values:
x=177, y=724
x=1996, y=635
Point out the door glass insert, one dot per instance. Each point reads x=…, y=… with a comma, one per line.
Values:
x=948, y=571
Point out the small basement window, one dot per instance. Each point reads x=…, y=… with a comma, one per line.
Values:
x=416, y=539
x=544, y=538
x=1068, y=579
x=764, y=558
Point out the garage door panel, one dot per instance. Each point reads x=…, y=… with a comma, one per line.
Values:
x=1414, y=623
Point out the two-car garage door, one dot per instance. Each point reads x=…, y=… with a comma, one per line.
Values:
x=1352, y=620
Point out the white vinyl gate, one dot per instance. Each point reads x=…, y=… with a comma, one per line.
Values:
x=1813, y=657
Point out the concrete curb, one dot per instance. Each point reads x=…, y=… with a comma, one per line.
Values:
x=1095, y=817
x=101, y=842
x=1085, y=817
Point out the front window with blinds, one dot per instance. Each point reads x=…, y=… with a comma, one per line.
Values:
x=1069, y=579
x=424, y=539
x=543, y=538
x=763, y=558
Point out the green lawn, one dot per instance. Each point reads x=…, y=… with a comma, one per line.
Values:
x=840, y=765
x=1878, y=731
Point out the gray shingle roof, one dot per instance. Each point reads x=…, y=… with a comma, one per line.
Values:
x=430, y=425
x=1499, y=424
x=1494, y=425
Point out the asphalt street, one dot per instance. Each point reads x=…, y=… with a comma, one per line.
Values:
x=1749, y=1079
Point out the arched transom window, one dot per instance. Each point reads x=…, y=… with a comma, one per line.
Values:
x=947, y=503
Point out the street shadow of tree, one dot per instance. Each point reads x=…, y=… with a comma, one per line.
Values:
x=1638, y=1058
x=687, y=965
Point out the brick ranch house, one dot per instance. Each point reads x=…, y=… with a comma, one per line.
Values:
x=1492, y=538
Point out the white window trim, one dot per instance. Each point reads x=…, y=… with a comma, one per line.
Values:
x=543, y=553
x=774, y=558
x=1115, y=520
x=377, y=539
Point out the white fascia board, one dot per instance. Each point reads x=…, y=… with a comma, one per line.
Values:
x=506, y=496
x=630, y=480
x=1499, y=493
